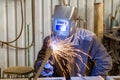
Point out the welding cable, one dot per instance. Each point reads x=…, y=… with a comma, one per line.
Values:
x=8, y=43
x=20, y=30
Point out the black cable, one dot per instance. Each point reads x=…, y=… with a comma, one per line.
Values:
x=8, y=42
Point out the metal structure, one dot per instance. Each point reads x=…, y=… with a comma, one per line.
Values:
x=112, y=43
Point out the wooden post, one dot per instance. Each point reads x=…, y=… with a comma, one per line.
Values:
x=98, y=20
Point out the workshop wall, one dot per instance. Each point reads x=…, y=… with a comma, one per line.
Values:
x=35, y=17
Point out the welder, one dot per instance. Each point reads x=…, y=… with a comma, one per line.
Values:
x=65, y=26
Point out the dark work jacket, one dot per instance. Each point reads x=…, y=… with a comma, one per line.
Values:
x=99, y=63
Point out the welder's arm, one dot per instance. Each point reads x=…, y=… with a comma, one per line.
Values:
x=42, y=55
x=103, y=61
x=40, y=58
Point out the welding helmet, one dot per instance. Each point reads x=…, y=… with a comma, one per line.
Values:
x=64, y=18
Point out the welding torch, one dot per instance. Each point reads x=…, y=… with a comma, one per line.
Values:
x=48, y=54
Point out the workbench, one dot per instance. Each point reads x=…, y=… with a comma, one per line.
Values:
x=72, y=78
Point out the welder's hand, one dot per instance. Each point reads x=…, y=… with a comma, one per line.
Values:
x=48, y=69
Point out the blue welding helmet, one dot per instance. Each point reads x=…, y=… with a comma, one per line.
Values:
x=64, y=20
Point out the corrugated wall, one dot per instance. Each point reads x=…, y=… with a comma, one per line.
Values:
x=34, y=18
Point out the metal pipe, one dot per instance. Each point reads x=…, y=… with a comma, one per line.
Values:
x=98, y=20
x=28, y=35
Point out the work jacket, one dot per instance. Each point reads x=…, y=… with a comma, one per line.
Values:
x=98, y=64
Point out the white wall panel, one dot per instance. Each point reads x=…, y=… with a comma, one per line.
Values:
x=29, y=22
x=73, y=3
x=11, y=31
x=107, y=11
x=3, y=51
x=98, y=1
x=90, y=15
x=20, y=42
x=47, y=18
x=116, y=6
x=38, y=26
x=82, y=12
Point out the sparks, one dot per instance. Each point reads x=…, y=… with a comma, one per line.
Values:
x=65, y=50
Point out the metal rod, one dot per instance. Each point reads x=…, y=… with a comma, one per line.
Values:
x=47, y=56
x=28, y=35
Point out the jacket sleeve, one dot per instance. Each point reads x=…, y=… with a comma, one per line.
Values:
x=41, y=53
x=102, y=60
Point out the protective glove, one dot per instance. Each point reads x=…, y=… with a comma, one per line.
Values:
x=48, y=69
